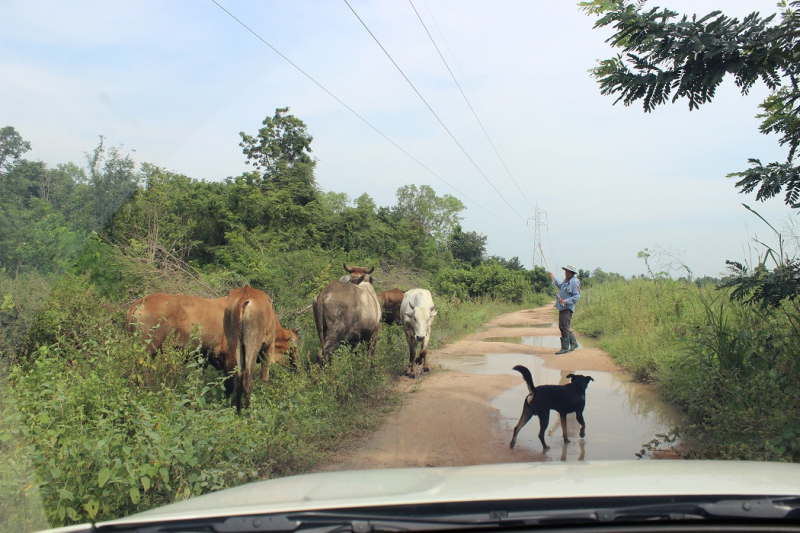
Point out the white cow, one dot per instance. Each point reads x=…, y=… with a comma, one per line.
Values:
x=417, y=311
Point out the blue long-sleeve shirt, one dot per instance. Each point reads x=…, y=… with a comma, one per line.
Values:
x=569, y=291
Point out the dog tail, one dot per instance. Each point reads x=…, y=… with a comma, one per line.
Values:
x=526, y=375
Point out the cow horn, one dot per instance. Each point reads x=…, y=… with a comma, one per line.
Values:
x=347, y=268
x=411, y=305
x=371, y=269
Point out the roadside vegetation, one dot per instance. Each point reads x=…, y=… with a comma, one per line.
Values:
x=92, y=428
x=733, y=368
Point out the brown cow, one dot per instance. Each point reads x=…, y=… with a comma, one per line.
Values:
x=347, y=312
x=158, y=314
x=390, y=302
x=354, y=273
x=286, y=342
x=250, y=327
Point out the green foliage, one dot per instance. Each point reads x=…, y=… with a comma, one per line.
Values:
x=112, y=181
x=12, y=146
x=488, y=280
x=692, y=56
x=282, y=142
x=731, y=367
x=21, y=299
x=438, y=215
x=467, y=247
x=597, y=276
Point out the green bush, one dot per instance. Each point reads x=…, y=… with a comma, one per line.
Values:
x=491, y=281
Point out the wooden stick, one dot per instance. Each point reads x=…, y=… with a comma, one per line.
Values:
x=548, y=267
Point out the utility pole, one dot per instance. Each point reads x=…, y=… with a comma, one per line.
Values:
x=539, y=218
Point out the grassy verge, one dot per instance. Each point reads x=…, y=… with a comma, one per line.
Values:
x=732, y=368
x=102, y=430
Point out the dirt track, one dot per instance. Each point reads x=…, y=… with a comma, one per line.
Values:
x=446, y=418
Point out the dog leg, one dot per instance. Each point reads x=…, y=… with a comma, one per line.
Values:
x=579, y=416
x=564, y=426
x=544, y=421
x=527, y=413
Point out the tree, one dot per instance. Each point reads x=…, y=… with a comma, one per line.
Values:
x=112, y=181
x=511, y=264
x=280, y=152
x=438, y=215
x=691, y=57
x=666, y=59
x=468, y=247
x=12, y=145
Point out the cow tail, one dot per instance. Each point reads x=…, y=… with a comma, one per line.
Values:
x=526, y=375
x=240, y=329
x=319, y=318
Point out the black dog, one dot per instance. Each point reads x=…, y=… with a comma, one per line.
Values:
x=565, y=399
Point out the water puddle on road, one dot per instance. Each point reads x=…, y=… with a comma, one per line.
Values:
x=620, y=414
x=543, y=341
x=554, y=325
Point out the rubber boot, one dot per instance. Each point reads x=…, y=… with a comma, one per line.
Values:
x=564, y=346
x=573, y=342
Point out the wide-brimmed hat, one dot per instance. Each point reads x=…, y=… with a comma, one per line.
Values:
x=571, y=268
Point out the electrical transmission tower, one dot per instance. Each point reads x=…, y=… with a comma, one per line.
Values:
x=539, y=217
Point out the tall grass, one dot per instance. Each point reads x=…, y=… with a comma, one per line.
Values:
x=731, y=367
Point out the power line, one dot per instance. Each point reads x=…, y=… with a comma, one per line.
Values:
x=257, y=36
x=467, y=100
x=433, y=112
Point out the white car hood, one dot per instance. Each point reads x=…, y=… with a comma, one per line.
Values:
x=519, y=481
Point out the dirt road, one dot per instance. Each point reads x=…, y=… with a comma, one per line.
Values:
x=446, y=418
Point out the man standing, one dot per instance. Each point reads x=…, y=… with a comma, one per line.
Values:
x=568, y=295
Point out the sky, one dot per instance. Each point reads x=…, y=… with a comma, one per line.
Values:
x=174, y=82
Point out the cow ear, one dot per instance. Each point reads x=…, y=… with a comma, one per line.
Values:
x=433, y=310
x=410, y=314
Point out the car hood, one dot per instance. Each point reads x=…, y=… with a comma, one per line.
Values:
x=502, y=482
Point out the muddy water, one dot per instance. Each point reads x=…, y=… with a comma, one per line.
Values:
x=620, y=415
x=554, y=325
x=543, y=341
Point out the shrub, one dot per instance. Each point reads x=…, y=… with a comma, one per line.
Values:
x=485, y=281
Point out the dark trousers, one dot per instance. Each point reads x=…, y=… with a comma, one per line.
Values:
x=564, y=321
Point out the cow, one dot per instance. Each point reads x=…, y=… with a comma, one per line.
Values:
x=354, y=273
x=390, y=302
x=155, y=315
x=286, y=342
x=347, y=312
x=250, y=326
x=417, y=311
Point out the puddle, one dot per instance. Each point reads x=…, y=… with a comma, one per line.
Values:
x=620, y=415
x=544, y=341
x=553, y=325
